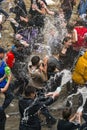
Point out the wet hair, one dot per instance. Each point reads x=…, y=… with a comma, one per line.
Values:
x=56, y=47
x=35, y=60
x=67, y=113
x=70, y=27
x=80, y=23
x=66, y=39
x=28, y=90
x=50, y=69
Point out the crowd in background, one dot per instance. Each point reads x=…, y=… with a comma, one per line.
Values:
x=38, y=86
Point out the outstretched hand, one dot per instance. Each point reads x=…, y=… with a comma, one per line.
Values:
x=54, y=94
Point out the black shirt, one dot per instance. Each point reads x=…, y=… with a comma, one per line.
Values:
x=25, y=106
x=66, y=125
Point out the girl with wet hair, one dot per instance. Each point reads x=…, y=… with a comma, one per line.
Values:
x=67, y=54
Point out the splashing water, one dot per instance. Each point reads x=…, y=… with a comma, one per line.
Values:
x=56, y=30
x=83, y=92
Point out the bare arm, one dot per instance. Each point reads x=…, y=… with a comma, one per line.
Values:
x=24, y=19
x=49, y=12
x=74, y=36
x=41, y=11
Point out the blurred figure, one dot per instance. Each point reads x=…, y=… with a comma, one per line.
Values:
x=2, y=119
x=67, y=123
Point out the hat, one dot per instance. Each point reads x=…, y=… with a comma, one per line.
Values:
x=2, y=50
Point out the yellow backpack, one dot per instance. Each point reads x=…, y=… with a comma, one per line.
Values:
x=79, y=74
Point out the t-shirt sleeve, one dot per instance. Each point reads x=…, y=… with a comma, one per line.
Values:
x=7, y=70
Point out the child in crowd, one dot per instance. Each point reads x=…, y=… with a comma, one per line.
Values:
x=30, y=107
x=67, y=122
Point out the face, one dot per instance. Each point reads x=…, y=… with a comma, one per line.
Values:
x=1, y=56
x=33, y=95
x=68, y=43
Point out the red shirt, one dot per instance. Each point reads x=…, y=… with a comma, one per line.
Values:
x=10, y=59
x=80, y=34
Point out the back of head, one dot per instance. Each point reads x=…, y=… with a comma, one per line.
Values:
x=56, y=47
x=66, y=113
x=35, y=60
x=28, y=90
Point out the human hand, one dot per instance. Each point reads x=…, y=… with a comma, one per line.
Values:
x=54, y=94
x=34, y=7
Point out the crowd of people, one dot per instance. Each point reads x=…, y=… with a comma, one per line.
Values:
x=39, y=84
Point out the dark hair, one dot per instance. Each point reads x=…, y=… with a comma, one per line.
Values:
x=66, y=39
x=66, y=113
x=70, y=27
x=28, y=90
x=2, y=50
x=80, y=23
x=50, y=69
x=35, y=60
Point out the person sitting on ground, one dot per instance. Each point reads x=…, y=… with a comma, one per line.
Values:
x=20, y=11
x=26, y=36
x=29, y=108
x=37, y=12
x=68, y=122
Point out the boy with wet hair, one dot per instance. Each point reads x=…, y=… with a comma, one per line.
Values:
x=29, y=106
x=67, y=122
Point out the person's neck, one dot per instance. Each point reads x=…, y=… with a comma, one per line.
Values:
x=56, y=56
x=29, y=97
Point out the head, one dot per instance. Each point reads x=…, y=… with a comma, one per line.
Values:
x=80, y=22
x=51, y=67
x=56, y=47
x=66, y=113
x=35, y=60
x=30, y=91
x=70, y=28
x=2, y=53
x=16, y=1
x=67, y=42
